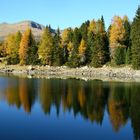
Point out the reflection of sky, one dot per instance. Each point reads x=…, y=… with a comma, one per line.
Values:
x=3, y=85
x=18, y=124
x=3, y=82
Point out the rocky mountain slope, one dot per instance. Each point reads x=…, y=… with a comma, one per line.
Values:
x=6, y=28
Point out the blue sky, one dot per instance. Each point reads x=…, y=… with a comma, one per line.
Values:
x=65, y=13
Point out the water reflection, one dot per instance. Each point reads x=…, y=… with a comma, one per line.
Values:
x=89, y=99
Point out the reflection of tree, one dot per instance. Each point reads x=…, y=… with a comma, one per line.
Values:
x=88, y=99
x=26, y=93
x=12, y=94
x=21, y=92
x=45, y=95
x=81, y=96
x=96, y=101
x=118, y=107
x=135, y=110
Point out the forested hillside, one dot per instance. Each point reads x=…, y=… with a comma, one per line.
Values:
x=90, y=44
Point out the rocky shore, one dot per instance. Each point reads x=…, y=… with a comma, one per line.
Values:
x=86, y=73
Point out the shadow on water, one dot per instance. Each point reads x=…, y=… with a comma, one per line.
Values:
x=90, y=99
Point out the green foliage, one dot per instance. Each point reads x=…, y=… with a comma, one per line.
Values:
x=73, y=60
x=90, y=45
x=128, y=56
x=45, y=50
x=84, y=30
x=127, y=28
x=57, y=50
x=135, y=38
x=119, y=55
x=99, y=52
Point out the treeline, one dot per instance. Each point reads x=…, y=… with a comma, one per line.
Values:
x=90, y=44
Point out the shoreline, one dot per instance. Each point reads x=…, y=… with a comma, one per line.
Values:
x=106, y=73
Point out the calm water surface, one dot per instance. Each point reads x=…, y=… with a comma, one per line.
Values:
x=53, y=109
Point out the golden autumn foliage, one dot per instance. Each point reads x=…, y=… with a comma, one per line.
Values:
x=92, y=26
x=24, y=46
x=2, y=49
x=65, y=37
x=12, y=96
x=82, y=51
x=70, y=47
x=24, y=95
x=45, y=96
x=69, y=97
x=82, y=47
x=116, y=114
x=96, y=27
x=10, y=44
x=81, y=97
x=117, y=32
x=46, y=47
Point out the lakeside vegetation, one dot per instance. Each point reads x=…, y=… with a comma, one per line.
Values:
x=90, y=44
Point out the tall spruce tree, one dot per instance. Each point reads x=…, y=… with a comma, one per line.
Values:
x=84, y=30
x=127, y=40
x=128, y=56
x=101, y=48
x=127, y=28
x=74, y=60
x=106, y=41
x=119, y=55
x=99, y=52
x=90, y=45
x=57, y=49
x=135, y=38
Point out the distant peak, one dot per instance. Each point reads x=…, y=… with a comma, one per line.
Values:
x=4, y=23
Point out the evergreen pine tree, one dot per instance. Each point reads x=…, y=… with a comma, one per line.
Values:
x=135, y=38
x=106, y=41
x=99, y=52
x=90, y=45
x=84, y=30
x=127, y=40
x=128, y=55
x=57, y=50
x=119, y=55
x=74, y=60
x=127, y=28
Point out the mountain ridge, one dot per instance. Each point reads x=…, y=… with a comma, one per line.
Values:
x=9, y=28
